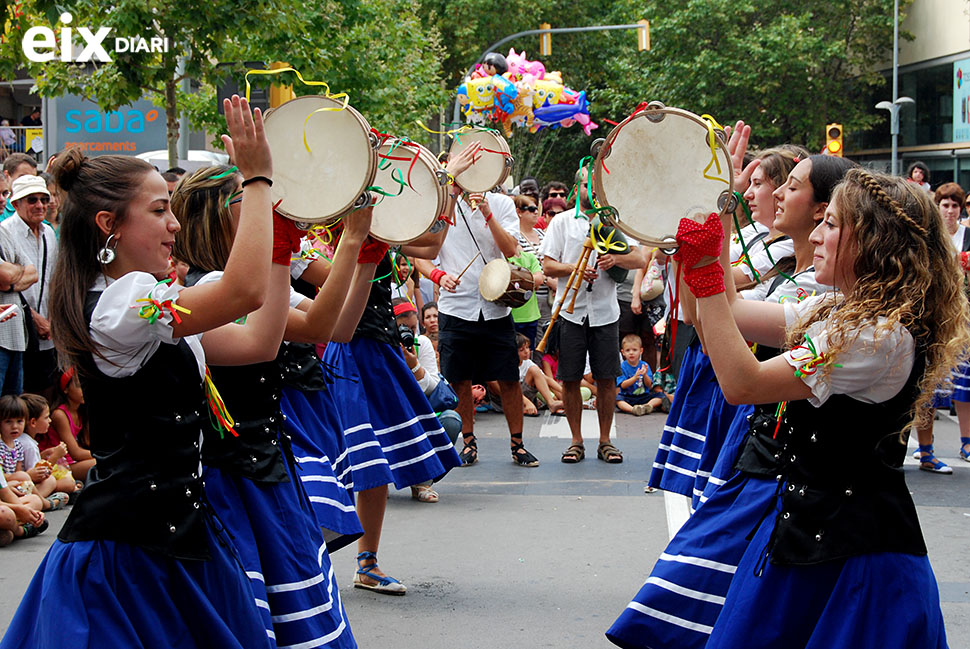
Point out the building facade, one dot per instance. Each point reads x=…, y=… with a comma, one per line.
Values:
x=934, y=70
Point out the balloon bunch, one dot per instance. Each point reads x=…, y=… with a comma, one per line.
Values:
x=516, y=91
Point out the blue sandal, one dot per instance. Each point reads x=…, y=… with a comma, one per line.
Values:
x=964, y=453
x=385, y=585
x=929, y=462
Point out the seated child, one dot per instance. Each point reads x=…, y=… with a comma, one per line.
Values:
x=67, y=422
x=535, y=384
x=50, y=461
x=14, y=451
x=20, y=516
x=663, y=386
x=634, y=383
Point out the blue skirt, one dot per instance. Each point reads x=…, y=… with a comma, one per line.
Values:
x=324, y=465
x=684, y=434
x=107, y=594
x=728, y=455
x=961, y=387
x=285, y=557
x=719, y=418
x=705, y=592
x=388, y=422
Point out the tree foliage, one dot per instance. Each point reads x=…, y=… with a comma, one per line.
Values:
x=785, y=68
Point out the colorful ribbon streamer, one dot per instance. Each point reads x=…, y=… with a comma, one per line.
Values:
x=712, y=141
x=218, y=414
x=326, y=92
x=155, y=309
x=810, y=358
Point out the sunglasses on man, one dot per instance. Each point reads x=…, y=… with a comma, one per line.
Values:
x=32, y=200
x=557, y=194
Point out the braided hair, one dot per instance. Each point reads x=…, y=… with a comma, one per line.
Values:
x=906, y=275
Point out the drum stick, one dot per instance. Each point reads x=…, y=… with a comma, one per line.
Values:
x=575, y=279
x=587, y=249
x=477, y=255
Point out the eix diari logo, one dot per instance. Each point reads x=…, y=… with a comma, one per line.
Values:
x=40, y=44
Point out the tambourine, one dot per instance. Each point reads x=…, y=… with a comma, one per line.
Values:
x=324, y=158
x=401, y=218
x=658, y=166
x=506, y=284
x=491, y=169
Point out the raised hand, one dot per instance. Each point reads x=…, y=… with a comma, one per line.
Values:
x=737, y=146
x=246, y=143
x=461, y=162
x=357, y=223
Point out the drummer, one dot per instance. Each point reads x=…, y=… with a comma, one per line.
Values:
x=476, y=338
x=592, y=327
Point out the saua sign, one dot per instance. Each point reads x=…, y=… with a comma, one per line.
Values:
x=41, y=44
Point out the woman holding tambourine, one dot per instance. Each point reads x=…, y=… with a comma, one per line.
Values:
x=830, y=541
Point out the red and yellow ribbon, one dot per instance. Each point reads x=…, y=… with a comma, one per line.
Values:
x=218, y=414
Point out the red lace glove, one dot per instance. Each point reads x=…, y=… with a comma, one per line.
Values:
x=372, y=251
x=286, y=239
x=696, y=242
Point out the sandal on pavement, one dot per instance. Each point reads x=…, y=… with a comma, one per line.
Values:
x=31, y=530
x=424, y=493
x=965, y=448
x=385, y=585
x=609, y=453
x=469, y=454
x=929, y=462
x=574, y=454
x=58, y=500
x=521, y=456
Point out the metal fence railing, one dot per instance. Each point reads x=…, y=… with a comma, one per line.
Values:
x=22, y=139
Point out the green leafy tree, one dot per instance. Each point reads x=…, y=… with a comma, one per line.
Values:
x=323, y=39
x=785, y=68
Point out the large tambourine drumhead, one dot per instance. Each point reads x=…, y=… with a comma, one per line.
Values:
x=319, y=185
x=491, y=169
x=651, y=169
x=405, y=217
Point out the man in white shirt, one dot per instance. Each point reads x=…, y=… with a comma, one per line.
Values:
x=592, y=326
x=28, y=237
x=476, y=338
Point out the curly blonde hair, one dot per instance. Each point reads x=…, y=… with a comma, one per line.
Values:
x=907, y=274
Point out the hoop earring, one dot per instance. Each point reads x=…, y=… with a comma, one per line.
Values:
x=107, y=255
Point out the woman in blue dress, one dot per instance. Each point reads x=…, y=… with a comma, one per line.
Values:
x=796, y=549
x=251, y=474
x=141, y=561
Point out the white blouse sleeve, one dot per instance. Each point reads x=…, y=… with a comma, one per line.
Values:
x=874, y=369
x=127, y=327
x=299, y=264
x=429, y=361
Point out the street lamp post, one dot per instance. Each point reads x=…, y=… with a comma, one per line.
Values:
x=893, y=108
x=897, y=102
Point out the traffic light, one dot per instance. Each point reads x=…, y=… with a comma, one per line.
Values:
x=833, y=140
x=545, y=41
x=643, y=35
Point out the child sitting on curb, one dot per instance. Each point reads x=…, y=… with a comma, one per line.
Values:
x=634, y=383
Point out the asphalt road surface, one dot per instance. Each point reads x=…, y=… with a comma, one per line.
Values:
x=548, y=557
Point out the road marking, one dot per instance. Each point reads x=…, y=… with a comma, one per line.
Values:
x=554, y=426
